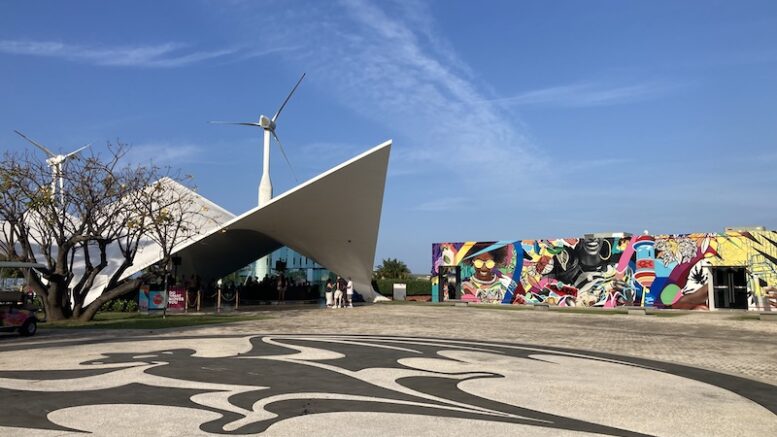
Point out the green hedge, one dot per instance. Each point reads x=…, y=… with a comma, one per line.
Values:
x=415, y=287
x=120, y=306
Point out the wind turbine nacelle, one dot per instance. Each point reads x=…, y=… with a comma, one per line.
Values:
x=266, y=123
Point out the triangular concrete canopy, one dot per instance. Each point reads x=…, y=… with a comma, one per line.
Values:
x=333, y=218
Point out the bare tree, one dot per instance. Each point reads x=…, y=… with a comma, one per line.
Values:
x=109, y=211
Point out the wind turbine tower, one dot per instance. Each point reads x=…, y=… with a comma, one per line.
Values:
x=268, y=125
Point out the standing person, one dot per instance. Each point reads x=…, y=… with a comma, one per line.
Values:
x=282, y=284
x=349, y=293
x=340, y=284
x=451, y=289
x=330, y=288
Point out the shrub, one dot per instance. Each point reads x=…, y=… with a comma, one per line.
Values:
x=131, y=306
x=37, y=302
x=120, y=305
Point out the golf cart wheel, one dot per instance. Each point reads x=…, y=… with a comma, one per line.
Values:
x=29, y=328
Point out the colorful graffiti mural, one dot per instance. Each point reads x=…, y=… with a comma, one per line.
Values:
x=733, y=269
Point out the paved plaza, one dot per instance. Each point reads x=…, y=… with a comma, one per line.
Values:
x=400, y=370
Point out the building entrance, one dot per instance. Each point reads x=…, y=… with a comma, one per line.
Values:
x=730, y=287
x=450, y=283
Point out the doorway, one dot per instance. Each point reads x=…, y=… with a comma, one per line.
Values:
x=730, y=287
x=449, y=280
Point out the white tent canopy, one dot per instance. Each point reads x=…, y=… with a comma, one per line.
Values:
x=333, y=218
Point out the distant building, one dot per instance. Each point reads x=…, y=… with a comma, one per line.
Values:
x=734, y=269
x=294, y=265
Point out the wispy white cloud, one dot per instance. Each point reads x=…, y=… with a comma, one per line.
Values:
x=311, y=158
x=164, y=153
x=387, y=62
x=764, y=158
x=582, y=164
x=588, y=94
x=726, y=59
x=167, y=55
x=442, y=204
x=322, y=150
x=256, y=53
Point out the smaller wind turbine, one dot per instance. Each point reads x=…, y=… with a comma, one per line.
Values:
x=268, y=124
x=55, y=162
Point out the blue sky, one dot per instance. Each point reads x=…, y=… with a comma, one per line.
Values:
x=510, y=119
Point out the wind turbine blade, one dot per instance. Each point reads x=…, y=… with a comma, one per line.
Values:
x=236, y=122
x=40, y=146
x=275, y=117
x=283, y=152
x=76, y=152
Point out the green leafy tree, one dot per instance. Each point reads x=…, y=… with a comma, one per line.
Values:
x=392, y=268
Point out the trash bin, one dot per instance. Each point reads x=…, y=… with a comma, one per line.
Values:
x=400, y=291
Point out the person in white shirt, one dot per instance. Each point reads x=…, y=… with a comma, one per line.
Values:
x=349, y=293
x=329, y=293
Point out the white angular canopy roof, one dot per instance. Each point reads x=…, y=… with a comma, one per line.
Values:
x=333, y=218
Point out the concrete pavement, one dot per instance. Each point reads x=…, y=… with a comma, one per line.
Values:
x=401, y=370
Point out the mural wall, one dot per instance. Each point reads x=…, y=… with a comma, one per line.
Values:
x=734, y=269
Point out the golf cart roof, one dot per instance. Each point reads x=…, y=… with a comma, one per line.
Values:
x=20, y=265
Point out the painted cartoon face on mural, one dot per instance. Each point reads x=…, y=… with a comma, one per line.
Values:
x=668, y=271
x=484, y=266
x=575, y=260
x=593, y=253
x=487, y=283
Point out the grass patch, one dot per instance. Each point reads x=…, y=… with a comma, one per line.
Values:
x=139, y=321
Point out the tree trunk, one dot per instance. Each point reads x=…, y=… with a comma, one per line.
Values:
x=89, y=311
x=54, y=312
x=57, y=303
x=77, y=311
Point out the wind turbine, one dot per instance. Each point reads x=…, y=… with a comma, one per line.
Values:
x=268, y=124
x=55, y=162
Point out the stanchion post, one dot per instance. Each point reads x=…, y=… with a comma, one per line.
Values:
x=199, y=293
x=186, y=301
x=218, y=300
x=237, y=299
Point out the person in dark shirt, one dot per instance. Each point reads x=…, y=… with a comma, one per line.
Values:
x=341, y=286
